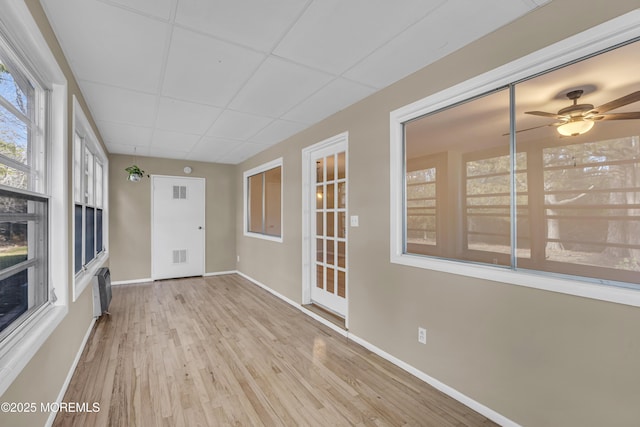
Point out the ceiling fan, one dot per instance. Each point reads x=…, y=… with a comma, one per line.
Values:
x=577, y=119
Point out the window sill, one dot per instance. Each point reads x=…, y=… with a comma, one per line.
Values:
x=19, y=348
x=83, y=278
x=546, y=282
x=264, y=237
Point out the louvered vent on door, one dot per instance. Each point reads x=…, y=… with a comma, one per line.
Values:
x=179, y=256
x=179, y=191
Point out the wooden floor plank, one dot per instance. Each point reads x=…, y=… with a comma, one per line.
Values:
x=221, y=351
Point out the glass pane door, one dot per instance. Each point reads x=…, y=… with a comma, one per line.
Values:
x=330, y=218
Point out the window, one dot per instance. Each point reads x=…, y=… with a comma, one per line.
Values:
x=33, y=206
x=23, y=196
x=263, y=201
x=422, y=205
x=89, y=170
x=488, y=179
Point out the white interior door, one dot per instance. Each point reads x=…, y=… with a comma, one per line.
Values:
x=177, y=233
x=328, y=227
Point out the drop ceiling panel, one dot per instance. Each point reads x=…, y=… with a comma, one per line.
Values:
x=166, y=154
x=533, y=3
x=277, y=131
x=236, y=125
x=332, y=35
x=242, y=153
x=123, y=134
x=128, y=149
x=256, y=24
x=112, y=104
x=97, y=40
x=408, y=52
x=189, y=117
x=203, y=69
x=335, y=96
x=278, y=86
x=211, y=149
x=169, y=140
x=157, y=8
x=222, y=81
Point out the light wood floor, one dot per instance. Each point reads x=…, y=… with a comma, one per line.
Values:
x=221, y=351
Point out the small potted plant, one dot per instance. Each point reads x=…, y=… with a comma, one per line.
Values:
x=135, y=173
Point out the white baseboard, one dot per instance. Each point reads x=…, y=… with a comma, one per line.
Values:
x=149, y=279
x=449, y=391
x=131, y=282
x=220, y=273
x=74, y=365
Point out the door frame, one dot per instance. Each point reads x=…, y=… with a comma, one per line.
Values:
x=204, y=219
x=308, y=207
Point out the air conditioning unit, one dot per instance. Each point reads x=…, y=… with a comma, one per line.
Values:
x=101, y=292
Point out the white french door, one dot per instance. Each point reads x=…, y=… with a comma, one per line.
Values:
x=327, y=225
x=177, y=227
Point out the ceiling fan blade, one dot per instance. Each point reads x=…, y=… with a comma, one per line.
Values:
x=617, y=103
x=535, y=127
x=617, y=116
x=544, y=114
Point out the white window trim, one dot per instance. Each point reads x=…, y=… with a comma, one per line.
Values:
x=82, y=126
x=603, y=36
x=245, y=182
x=17, y=350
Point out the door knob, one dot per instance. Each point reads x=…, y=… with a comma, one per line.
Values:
x=200, y=227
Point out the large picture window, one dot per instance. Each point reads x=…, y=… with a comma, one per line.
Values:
x=263, y=201
x=34, y=211
x=541, y=174
x=23, y=194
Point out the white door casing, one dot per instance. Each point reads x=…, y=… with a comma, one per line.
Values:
x=325, y=224
x=177, y=227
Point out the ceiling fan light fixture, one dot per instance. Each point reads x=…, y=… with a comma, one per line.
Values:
x=575, y=127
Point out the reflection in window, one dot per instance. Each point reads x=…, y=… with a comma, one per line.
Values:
x=421, y=207
x=22, y=286
x=457, y=183
x=264, y=202
x=77, y=245
x=89, y=232
x=89, y=183
x=272, y=201
x=566, y=205
x=488, y=211
x=591, y=207
x=256, y=185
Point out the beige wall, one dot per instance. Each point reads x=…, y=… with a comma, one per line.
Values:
x=43, y=377
x=538, y=358
x=130, y=215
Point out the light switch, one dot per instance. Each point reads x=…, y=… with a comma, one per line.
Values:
x=354, y=221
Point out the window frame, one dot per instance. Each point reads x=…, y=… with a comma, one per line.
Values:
x=609, y=34
x=22, y=35
x=86, y=197
x=246, y=193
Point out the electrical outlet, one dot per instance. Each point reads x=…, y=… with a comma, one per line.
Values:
x=238, y=258
x=422, y=335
